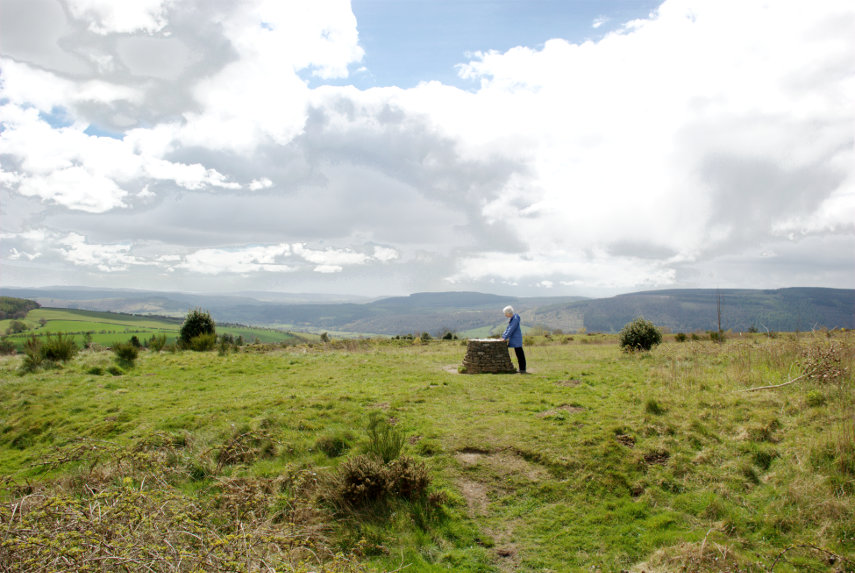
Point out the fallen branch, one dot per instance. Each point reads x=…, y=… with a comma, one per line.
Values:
x=776, y=385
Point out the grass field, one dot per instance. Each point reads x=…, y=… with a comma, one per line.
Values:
x=109, y=328
x=597, y=460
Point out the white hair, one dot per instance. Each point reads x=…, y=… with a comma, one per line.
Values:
x=508, y=309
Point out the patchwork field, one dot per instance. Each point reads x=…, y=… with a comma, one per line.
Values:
x=598, y=460
x=108, y=328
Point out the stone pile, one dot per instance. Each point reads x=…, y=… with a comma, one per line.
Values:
x=487, y=356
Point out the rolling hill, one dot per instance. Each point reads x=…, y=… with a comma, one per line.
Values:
x=684, y=310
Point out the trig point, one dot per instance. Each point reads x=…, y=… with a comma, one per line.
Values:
x=487, y=356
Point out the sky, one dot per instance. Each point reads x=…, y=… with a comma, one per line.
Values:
x=386, y=147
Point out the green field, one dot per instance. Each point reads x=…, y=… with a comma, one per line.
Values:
x=597, y=460
x=109, y=328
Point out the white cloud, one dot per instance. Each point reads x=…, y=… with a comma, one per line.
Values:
x=617, y=134
x=261, y=97
x=247, y=260
x=106, y=258
x=66, y=166
x=328, y=269
x=110, y=17
x=385, y=254
x=259, y=184
x=709, y=132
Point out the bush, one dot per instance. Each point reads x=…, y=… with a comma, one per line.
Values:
x=363, y=479
x=717, y=336
x=203, y=342
x=34, y=357
x=639, y=334
x=407, y=478
x=7, y=347
x=197, y=323
x=680, y=337
x=126, y=353
x=16, y=326
x=157, y=342
x=60, y=348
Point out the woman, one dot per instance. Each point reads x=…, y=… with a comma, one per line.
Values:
x=513, y=336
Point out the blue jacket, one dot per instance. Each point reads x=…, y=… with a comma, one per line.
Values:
x=513, y=333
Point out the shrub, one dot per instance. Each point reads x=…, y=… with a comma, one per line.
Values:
x=407, y=478
x=34, y=357
x=126, y=353
x=680, y=337
x=16, y=326
x=7, y=347
x=60, y=348
x=384, y=440
x=157, y=342
x=362, y=479
x=639, y=334
x=203, y=342
x=198, y=322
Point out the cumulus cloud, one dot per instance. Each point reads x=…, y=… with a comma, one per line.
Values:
x=107, y=17
x=215, y=139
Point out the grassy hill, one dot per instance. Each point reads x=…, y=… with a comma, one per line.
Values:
x=108, y=328
x=596, y=461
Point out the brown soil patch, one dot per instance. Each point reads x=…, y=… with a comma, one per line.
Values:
x=502, y=463
x=495, y=466
x=657, y=457
x=507, y=557
x=570, y=383
x=562, y=408
x=626, y=440
x=475, y=494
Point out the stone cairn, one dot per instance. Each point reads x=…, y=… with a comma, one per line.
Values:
x=487, y=356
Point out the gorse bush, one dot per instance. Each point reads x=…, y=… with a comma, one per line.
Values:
x=156, y=342
x=639, y=334
x=365, y=479
x=198, y=322
x=41, y=354
x=59, y=348
x=126, y=353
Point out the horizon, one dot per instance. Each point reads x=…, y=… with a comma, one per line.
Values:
x=368, y=299
x=549, y=148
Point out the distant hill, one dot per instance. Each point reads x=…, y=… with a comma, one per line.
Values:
x=687, y=310
x=788, y=309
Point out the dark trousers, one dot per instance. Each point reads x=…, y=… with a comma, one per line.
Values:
x=520, y=358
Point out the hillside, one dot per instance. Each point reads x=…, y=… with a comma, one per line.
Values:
x=108, y=328
x=687, y=310
x=790, y=309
